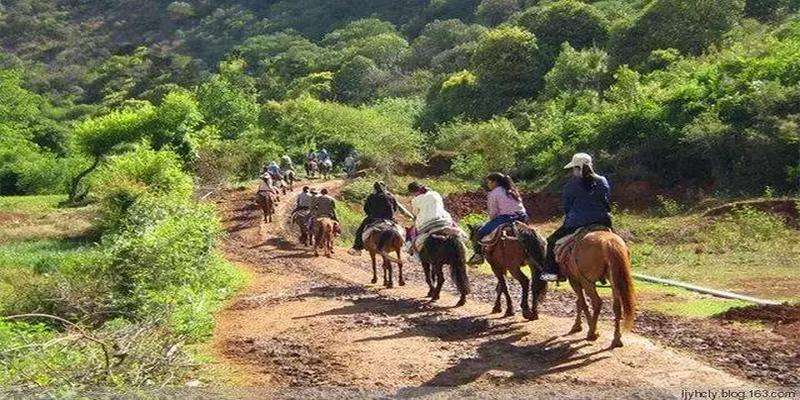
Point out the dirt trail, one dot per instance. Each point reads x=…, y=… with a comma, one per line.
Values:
x=308, y=321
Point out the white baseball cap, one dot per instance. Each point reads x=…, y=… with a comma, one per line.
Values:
x=579, y=160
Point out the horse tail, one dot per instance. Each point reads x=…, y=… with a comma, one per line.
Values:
x=620, y=264
x=458, y=268
x=535, y=247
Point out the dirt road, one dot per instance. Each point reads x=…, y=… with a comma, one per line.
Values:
x=306, y=321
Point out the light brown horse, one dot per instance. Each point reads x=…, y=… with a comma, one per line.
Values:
x=385, y=241
x=601, y=255
x=266, y=201
x=511, y=251
x=324, y=230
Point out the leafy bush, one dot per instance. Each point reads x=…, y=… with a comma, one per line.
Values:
x=484, y=146
x=121, y=182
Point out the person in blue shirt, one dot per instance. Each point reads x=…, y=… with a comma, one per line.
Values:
x=586, y=202
x=323, y=156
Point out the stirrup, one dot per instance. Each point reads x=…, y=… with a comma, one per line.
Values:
x=477, y=259
x=548, y=277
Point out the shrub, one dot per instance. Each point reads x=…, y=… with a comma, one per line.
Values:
x=492, y=143
x=744, y=229
x=121, y=182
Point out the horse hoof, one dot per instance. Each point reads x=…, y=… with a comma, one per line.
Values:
x=461, y=303
x=402, y=283
x=374, y=281
x=434, y=298
x=508, y=314
x=616, y=344
x=528, y=315
x=496, y=310
x=574, y=330
x=592, y=337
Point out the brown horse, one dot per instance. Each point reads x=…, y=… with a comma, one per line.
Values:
x=601, y=255
x=325, y=170
x=289, y=178
x=511, y=251
x=324, y=230
x=438, y=251
x=266, y=201
x=312, y=168
x=385, y=241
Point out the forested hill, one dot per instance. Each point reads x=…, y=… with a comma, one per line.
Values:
x=691, y=92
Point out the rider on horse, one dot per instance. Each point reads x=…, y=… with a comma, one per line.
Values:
x=350, y=164
x=323, y=205
x=303, y=200
x=505, y=206
x=586, y=202
x=286, y=163
x=379, y=206
x=274, y=170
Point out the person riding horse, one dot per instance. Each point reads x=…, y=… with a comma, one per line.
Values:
x=379, y=206
x=586, y=202
x=286, y=163
x=505, y=206
x=322, y=206
x=303, y=200
x=350, y=165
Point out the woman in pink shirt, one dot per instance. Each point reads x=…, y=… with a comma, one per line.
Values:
x=505, y=205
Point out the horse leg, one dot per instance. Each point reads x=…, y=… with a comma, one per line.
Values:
x=597, y=305
x=400, y=280
x=426, y=268
x=580, y=308
x=387, y=266
x=537, y=290
x=498, y=307
x=439, y=281
x=617, y=342
x=526, y=284
x=374, y=268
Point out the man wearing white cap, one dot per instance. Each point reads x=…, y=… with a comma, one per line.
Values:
x=586, y=202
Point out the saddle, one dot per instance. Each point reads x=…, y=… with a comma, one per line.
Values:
x=441, y=231
x=509, y=231
x=566, y=245
x=383, y=224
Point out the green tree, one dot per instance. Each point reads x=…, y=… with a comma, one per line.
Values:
x=440, y=37
x=495, y=12
x=355, y=81
x=508, y=66
x=232, y=110
x=577, y=70
x=690, y=26
x=576, y=22
x=101, y=136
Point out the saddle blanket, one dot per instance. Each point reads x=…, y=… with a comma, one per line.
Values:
x=565, y=245
x=384, y=225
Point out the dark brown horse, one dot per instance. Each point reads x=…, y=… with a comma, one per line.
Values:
x=385, y=241
x=289, y=178
x=597, y=256
x=324, y=230
x=312, y=168
x=325, y=169
x=513, y=248
x=440, y=250
x=300, y=218
x=266, y=201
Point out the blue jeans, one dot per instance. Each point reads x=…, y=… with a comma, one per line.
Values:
x=493, y=224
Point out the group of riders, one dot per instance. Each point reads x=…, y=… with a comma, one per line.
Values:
x=585, y=201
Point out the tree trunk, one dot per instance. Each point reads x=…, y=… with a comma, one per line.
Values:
x=76, y=181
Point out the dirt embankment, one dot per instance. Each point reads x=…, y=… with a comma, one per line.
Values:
x=308, y=321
